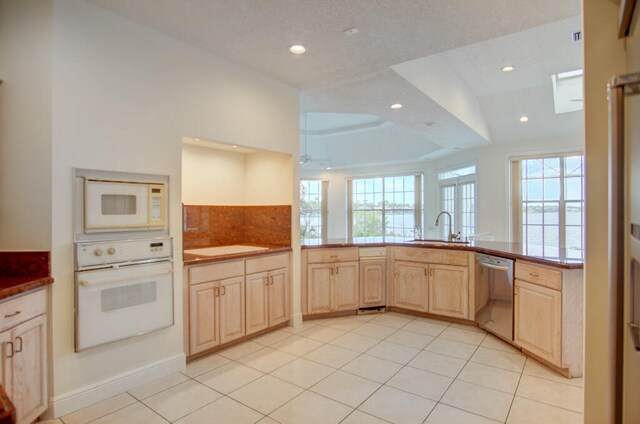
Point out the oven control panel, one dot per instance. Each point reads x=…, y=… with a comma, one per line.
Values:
x=114, y=252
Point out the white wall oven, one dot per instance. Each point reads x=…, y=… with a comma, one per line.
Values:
x=124, y=288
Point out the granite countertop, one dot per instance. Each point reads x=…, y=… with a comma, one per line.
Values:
x=196, y=259
x=21, y=272
x=508, y=250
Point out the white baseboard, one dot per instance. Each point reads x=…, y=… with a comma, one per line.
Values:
x=296, y=319
x=96, y=392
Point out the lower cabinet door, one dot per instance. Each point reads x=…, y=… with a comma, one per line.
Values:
x=257, y=302
x=538, y=321
x=346, y=286
x=372, y=283
x=6, y=362
x=449, y=290
x=231, y=309
x=319, y=290
x=29, y=392
x=278, y=296
x=410, y=286
x=203, y=316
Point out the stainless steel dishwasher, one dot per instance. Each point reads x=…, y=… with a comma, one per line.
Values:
x=494, y=294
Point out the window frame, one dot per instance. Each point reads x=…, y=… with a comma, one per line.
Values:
x=418, y=199
x=456, y=182
x=516, y=211
x=324, y=208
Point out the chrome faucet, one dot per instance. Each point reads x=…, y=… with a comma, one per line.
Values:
x=452, y=236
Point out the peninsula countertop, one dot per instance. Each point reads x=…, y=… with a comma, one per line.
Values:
x=510, y=250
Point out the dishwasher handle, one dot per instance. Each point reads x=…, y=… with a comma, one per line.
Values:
x=492, y=266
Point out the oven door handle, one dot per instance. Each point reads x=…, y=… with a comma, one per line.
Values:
x=86, y=283
x=498, y=267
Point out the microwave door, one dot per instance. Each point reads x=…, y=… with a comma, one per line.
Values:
x=115, y=205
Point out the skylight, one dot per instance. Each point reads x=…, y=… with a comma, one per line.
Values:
x=567, y=91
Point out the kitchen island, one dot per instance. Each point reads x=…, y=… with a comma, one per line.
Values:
x=442, y=280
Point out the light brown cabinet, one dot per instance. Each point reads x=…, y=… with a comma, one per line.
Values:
x=23, y=367
x=267, y=302
x=411, y=286
x=372, y=282
x=229, y=300
x=449, y=290
x=538, y=320
x=333, y=287
x=431, y=280
x=332, y=281
x=216, y=313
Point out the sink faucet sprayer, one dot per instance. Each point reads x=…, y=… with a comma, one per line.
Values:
x=451, y=236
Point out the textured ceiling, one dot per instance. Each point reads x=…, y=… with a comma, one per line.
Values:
x=343, y=74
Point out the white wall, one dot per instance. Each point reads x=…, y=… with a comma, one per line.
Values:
x=220, y=177
x=25, y=124
x=492, y=182
x=212, y=176
x=268, y=179
x=123, y=98
x=604, y=56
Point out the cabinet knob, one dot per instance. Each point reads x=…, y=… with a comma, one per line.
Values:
x=10, y=355
x=20, y=348
x=111, y=250
x=84, y=283
x=13, y=314
x=97, y=252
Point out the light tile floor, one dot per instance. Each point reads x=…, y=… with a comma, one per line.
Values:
x=361, y=369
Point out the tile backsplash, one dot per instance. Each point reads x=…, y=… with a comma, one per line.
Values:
x=205, y=226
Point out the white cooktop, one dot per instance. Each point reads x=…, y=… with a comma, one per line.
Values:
x=224, y=250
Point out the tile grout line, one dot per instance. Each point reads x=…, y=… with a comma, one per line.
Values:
x=456, y=378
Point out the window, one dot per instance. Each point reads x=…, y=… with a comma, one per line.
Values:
x=458, y=197
x=549, y=205
x=384, y=208
x=313, y=210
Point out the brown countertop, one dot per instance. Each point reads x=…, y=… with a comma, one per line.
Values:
x=21, y=272
x=192, y=259
x=508, y=250
x=7, y=410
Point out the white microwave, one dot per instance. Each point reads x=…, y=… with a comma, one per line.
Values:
x=115, y=205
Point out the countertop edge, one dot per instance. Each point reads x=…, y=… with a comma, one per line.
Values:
x=24, y=286
x=461, y=247
x=191, y=259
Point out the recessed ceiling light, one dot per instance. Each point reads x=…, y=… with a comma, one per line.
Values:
x=297, y=49
x=507, y=68
x=524, y=119
x=328, y=168
x=234, y=146
x=351, y=31
x=396, y=106
x=429, y=124
x=196, y=139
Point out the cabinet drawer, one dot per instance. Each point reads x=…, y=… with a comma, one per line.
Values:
x=332, y=255
x=432, y=256
x=203, y=273
x=267, y=263
x=545, y=277
x=21, y=309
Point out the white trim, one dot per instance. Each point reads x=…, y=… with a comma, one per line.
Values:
x=88, y=395
x=295, y=320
